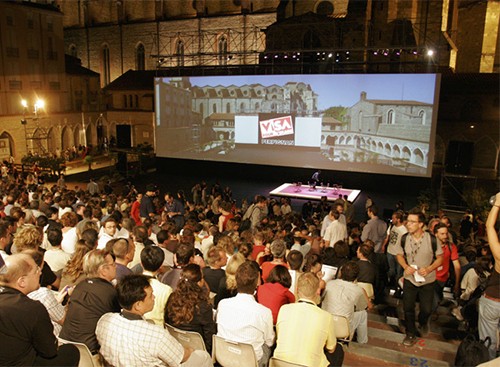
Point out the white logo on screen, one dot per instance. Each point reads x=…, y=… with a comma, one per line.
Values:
x=276, y=127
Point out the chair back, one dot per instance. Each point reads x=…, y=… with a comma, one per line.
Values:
x=368, y=287
x=189, y=339
x=86, y=358
x=341, y=326
x=275, y=362
x=229, y=353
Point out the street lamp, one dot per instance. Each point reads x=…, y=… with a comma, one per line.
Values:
x=38, y=106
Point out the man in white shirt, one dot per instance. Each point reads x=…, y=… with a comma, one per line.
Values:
x=397, y=230
x=55, y=256
x=108, y=232
x=336, y=231
x=242, y=319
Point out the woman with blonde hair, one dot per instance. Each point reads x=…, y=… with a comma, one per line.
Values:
x=72, y=273
x=227, y=285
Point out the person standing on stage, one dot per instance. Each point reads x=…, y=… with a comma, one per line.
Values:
x=315, y=177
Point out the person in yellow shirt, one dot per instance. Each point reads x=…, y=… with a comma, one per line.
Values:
x=305, y=332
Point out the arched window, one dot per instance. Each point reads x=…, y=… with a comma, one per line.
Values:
x=214, y=108
x=140, y=60
x=228, y=108
x=105, y=71
x=222, y=50
x=325, y=8
x=179, y=52
x=72, y=50
x=421, y=114
x=390, y=117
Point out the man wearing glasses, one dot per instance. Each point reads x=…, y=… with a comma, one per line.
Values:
x=419, y=256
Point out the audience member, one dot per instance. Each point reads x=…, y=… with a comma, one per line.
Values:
x=32, y=341
x=242, y=319
x=188, y=307
x=127, y=339
x=275, y=292
x=305, y=332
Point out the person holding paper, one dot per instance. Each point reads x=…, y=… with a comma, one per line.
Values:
x=419, y=258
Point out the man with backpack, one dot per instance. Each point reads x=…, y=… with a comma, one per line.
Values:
x=419, y=256
x=255, y=213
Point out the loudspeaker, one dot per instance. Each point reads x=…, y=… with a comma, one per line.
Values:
x=123, y=136
x=459, y=157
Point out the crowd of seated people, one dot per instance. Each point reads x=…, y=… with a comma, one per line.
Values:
x=207, y=256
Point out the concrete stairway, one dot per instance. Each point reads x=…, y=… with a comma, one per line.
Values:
x=386, y=335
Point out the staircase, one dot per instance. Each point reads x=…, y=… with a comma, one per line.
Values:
x=385, y=340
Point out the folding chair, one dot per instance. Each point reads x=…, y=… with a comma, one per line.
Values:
x=233, y=354
x=86, y=358
x=190, y=339
x=342, y=328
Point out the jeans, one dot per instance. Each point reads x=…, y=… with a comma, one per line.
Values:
x=489, y=317
x=438, y=294
x=425, y=294
x=395, y=270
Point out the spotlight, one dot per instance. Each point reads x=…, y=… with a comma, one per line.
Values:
x=330, y=55
x=430, y=52
x=375, y=53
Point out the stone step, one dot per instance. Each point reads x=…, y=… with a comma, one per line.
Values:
x=424, y=348
x=372, y=355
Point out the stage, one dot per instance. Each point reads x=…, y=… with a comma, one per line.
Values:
x=305, y=192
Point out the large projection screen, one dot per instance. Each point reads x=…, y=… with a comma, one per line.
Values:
x=375, y=123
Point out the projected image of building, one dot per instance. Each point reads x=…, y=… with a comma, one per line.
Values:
x=390, y=132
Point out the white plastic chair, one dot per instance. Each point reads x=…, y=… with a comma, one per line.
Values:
x=229, y=353
x=342, y=328
x=189, y=339
x=86, y=358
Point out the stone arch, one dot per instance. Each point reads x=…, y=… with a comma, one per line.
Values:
x=485, y=152
x=388, y=150
x=228, y=107
x=77, y=135
x=348, y=141
x=7, y=145
x=380, y=147
x=67, y=138
x=341, y=140
x=396, y=152
x=373, y=146
x=406, y=153
x=418, y=157
x=52, y=141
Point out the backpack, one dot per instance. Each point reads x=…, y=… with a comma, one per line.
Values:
x=433, y=244
x=472, y=351
x=246, y=223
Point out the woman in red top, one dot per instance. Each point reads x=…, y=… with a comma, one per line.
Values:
x=134, y=211
x=225, y=209
x=275, y=292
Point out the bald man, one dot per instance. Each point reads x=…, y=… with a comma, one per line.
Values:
x=25, y=328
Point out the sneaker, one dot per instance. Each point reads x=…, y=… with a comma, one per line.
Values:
x=424, y=330
x=409, y=340
x=456, y=312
